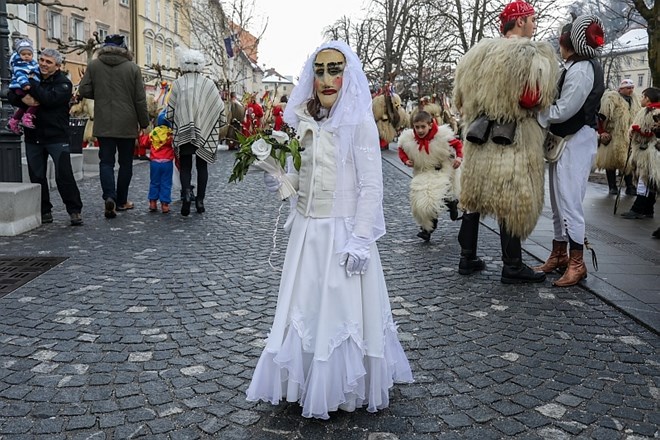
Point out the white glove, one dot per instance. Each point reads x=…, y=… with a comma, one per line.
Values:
x=272, y=183
x=356, y=255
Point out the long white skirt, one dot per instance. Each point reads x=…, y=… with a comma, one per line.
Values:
x=333, y=344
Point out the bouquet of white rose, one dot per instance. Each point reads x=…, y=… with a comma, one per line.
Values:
x=268, y=151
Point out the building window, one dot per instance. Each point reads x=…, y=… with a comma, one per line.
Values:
x=147, y=53
x=157, y=7
x=32, y=13
x=54, y=20
x=176, y=19
x=77, y=29
x=147, y=8
x=103, y=32
x=640, y=80
x=168, y=6
x=126, y=38
x=123, y=2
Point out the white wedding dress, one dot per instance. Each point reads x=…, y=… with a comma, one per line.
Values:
x=333, y=344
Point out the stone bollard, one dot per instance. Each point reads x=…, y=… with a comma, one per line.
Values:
x=21, y=207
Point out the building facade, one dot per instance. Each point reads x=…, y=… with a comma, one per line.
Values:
x=70, y=28
x=627, y=58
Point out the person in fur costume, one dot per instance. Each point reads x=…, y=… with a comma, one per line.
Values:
x=197, y=114
x=435, y=155
x=574, y=114
x=389, y=114
x=617, y=109
x=504, y=82
x=645, y=154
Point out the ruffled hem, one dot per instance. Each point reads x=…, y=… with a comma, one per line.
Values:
x=347, y=380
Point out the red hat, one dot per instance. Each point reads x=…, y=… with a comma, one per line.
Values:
x=514, y=10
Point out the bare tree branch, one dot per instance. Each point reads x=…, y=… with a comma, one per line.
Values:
x=46, y=3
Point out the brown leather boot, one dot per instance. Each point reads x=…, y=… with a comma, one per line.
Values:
x=558, y=258
x=576, y=271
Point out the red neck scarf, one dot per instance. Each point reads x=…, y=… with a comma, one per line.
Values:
x=424, y=142
x=653, y=105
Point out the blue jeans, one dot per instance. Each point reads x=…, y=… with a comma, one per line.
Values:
x=37, y=159
x=160, y=181
x=108, y=147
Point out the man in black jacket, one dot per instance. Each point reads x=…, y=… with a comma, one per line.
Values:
x=51, y=135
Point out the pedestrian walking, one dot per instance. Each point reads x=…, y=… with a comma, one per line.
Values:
x=115, y=84
x=500, y=83
x=333, y=344
x=197, y=114
x=50, y=96
x=435, y=155
x=161, y=165
x=575, y=114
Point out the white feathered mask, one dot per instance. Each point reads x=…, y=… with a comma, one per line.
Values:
x=190, y=60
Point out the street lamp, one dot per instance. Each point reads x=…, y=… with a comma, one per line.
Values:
x=10, y=143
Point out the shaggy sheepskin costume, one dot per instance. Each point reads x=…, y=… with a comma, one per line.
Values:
x=388, y=124
x=646, y=147
x=619, y=118
x=434, y=179
x=505, y=181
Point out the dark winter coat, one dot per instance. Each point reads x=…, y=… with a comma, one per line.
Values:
x=115, y=84
x=52, y=115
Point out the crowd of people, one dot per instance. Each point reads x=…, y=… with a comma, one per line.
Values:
x=333, y=343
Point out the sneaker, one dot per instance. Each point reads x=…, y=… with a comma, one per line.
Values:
x=656, y=233
x=613, y=191
x=165, y=208
x=14, y=125
x=27, y=120
x=76, y=219
x=631, y=191
x=47, y=217
x=110, y=206
x=153, y=207
x=126, y=206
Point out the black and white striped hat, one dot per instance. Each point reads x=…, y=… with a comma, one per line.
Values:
x=586, y=34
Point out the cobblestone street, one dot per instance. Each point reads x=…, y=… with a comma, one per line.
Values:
x=153, y=325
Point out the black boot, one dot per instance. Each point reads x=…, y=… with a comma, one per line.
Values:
x=453, y=209
x=514, y=270
x=467, y=238
x=611, y=181
x=187, y=196
x=631, y=189
x=199, y=205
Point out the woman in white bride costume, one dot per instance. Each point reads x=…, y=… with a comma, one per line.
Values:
x=333, y=344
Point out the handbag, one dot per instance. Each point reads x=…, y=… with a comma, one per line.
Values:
x=553, y=146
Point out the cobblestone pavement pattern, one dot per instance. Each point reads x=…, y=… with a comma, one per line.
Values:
x=152, y=327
